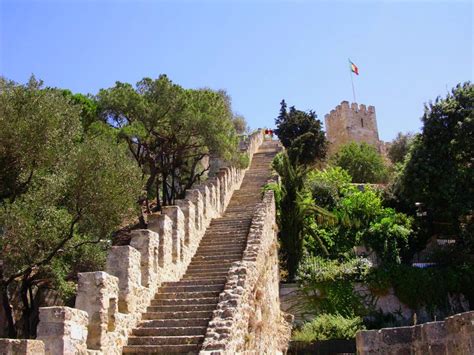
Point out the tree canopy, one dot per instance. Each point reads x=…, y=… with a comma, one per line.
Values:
x=169, y=131
x=301, y=134
x=439, y=169
x=362, y=162
x=63, y=193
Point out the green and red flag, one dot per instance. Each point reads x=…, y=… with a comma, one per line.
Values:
x=354, y=68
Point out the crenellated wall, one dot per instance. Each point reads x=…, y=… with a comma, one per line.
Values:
x=453, y=336
x=109, y=303
x=248, y=317
x=351, y=123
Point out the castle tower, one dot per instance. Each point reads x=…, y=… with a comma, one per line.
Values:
x=351, y=123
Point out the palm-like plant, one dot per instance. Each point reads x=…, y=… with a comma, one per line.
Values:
x=297, y=210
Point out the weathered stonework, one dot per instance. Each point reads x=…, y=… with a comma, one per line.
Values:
x=63, y=330
x=21, y=346
x=248, y=316
x=352, y=123
x=453, y=336
x=110, y=304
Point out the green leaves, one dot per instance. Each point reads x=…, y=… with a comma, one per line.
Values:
x=301, y=134
x=362, y=162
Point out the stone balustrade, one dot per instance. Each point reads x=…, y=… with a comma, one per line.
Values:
x=109, y=303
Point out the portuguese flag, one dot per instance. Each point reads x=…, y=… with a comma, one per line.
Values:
x=354, y=68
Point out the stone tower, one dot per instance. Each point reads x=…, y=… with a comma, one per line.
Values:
x=352, y=123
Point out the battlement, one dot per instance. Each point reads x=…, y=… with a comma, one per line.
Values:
x=350, y=122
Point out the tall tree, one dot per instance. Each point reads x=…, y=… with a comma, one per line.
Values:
x=399, y=147
x=301, y=134
x=169, y=131
x=439, y=169
x=60, y=202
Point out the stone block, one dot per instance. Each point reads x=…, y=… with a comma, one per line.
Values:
x=196, y=198
x=63, y=330
x=189, y=211
x=98, y=295
x=206, y=201
x=21, y=347
x=178, y=231
x=162, y=224
x=124, y=263
x=147, y=243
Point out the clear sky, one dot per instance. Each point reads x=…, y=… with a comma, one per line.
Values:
x=408, y=52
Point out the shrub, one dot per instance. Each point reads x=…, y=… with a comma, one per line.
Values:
x=329, y=326
x=362, y=161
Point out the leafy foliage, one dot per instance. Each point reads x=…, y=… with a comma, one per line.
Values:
x=438, y=171
x=301, y=134
x=329, y=284
x=329, y=326
x=169, y=130
x=362, y=162
x=399, y=147
x=64, y=195
x=296, y=211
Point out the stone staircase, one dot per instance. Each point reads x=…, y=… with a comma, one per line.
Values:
x=177, y=319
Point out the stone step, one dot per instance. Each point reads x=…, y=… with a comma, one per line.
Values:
x=184, y=308
x=170, y=331
x=185, y=301
x=165, y=340
x=177, y=315
x=164, y=349
x=192, y=288
x=175, y=322
x=209, y=253
x=204, y=274
x=230, y=257
x=185, y=295
x=208, y=281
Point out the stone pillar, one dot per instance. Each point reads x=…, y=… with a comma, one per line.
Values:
x=97, y=295
x=189, y=211
x=147, y=243
x=222, y=177
x=162, y=225
x=63, y=330
x=124, y=263
x=196, y=198
x=206, y=212
x=213, y=210
x=177, y=219
x=21, y=346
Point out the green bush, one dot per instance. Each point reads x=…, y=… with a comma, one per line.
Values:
x=362, y=161
x=329, y=326
x=328, y=285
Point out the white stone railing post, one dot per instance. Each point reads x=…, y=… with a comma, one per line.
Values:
x=124, y=263
x=63, y=330
x=98, y=295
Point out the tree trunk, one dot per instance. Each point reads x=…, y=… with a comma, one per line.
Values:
x=8, y=311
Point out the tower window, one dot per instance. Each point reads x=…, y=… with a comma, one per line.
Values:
x=362, y=122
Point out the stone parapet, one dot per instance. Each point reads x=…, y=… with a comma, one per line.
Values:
x=454, y=335
x=110, y=304
x=248, y=317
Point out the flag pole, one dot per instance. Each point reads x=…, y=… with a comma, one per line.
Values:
x=352, y=79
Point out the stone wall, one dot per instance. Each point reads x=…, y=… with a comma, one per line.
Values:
x=248, y=317
x=21, y=346
x=453, y=336
x=109, y=303
x=352, y=123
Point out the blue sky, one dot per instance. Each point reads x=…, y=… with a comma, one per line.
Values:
x=408, y=52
